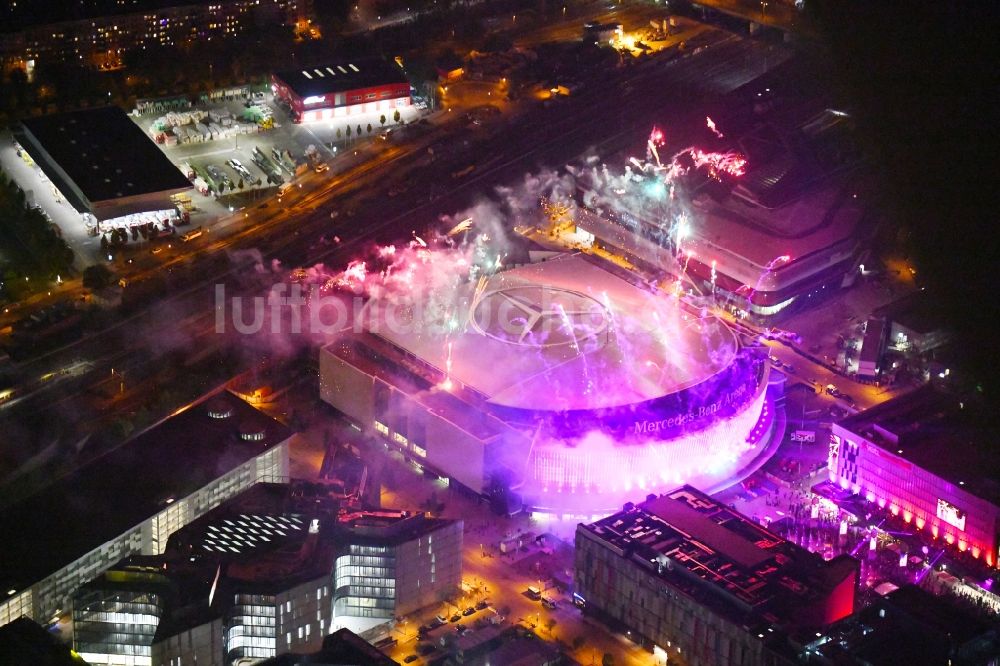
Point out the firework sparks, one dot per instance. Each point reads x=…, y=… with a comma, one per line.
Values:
x=733, y=164
x=447, y=384
x=711, y=125
x=655, y=141
x=353, y=277
x=464, y=225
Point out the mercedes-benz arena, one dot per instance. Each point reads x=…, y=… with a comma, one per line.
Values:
x=342, y=89
x=568, y=381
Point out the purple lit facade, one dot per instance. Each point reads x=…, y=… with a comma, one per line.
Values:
x=639, y=392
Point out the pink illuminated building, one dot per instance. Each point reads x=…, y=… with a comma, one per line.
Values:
x=340, y=90
x=926, y=458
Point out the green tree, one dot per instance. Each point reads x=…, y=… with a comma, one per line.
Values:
x=550, y=624
x=96, y=276
x=608, y=659
x=349, y=131
x=578, y=642
x=369, y=128
x=359, y=130
x=396, y=116
x=382, y=120
x=339, y=133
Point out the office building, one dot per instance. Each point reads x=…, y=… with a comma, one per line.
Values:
x=691, y=578
x=115, y=616
x=131, y=499
x=765, y=214
x=275, y=570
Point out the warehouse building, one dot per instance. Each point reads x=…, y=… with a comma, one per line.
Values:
x=342, y=89
x=102, y=163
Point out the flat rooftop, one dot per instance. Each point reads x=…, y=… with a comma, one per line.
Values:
x=560, y=334
x=342, y=76
x=950, y=435
x=917, y=312
x=341, y=648
x=909, y=626
x=103, y=152
x=124, y=487
x=743, y=561
x=260, y=532
x=269, y=539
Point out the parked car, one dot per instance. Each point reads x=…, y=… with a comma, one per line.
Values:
x=456, y=617
x=469, y=611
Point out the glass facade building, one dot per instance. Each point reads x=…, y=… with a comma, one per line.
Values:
x=115, y=618
x=250, y=628
x=364, y=587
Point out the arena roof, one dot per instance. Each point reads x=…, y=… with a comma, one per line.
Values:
x=562, y=334
x=119, y=490
x=343, y=76
x=104, y=153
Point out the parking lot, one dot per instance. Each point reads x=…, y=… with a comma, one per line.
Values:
x=215, y=158
x=86, y=248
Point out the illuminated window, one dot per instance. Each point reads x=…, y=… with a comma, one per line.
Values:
x=399, y=439
x=422, y=452
x=382, y=428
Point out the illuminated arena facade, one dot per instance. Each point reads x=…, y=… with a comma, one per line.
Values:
x=561, y=380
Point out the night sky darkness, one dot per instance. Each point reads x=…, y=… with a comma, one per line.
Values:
x=920, y=76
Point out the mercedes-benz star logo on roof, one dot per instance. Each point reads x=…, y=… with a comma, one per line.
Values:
x=537, y=316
